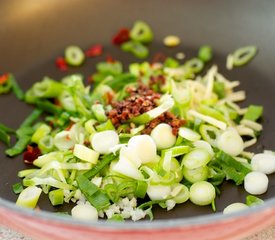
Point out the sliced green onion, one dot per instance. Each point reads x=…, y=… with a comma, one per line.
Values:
x=15, y=88
x=136, y=48
x=86, y=154
x=99, y=112
x=35, y=114
x=199, y=157
x=253, y=201
x=56, y=197
x=202, y=193
x=47, y=88
x=208, y=119
x=93, y=194
x=189, y=134
x=196, y=174
x=195, y=65
x=209, y=134
x=205, y=53
x=29, y=197
x=167, y=103
x=253, y=113
x=42, y=131
x=107, y=159
x=47, y=181
x=113, y=68
x=178, y=150
x=4, y=137
x=74, y=55
x=26, y=172
x=45, y=144
x=141, y=189
x=6, y=129
x=141, y=32
x=17, y=188
x=48, y=107
x=244, y=55
x=19, y=146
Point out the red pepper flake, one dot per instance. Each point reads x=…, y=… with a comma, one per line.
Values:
x=4, y=78
x=94, y=51
x=61, y=64
x=121, y=37
x=31, y=154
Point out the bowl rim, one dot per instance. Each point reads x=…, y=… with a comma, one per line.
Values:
x=138, y=225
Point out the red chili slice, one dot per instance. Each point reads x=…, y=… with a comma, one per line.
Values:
x=61, y=64
x=31, y=154
x=4, y=78
x=122, y=36
x=94, y=51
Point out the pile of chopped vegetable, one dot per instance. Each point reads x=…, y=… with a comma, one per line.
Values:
x=158, y=133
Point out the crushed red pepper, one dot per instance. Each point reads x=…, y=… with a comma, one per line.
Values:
x=122, y=36
x=140, y=100
x=94, y=51
x=31, y=154
x=61, y=64
x=4, y=78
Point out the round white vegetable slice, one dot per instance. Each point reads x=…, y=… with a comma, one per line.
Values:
x=263, y=162
x=29, y=197
x=230, y=142
x=235, y=207
x=85, y=212
x=158, y=192
x=163, y=136
x=197, y=158
x=144, y=147
x=202, y=193
x=103, y=141
x=256, y=183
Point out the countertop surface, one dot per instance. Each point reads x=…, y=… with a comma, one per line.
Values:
x=266, y=234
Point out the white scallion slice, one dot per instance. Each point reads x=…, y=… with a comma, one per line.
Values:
x=230, y=142
x=202, y=193
x=235, y=207
x=196, y=174
x=263, y=162
x=256, y=183
x=103, y=141
x=180, y=193
x=144, y=147
x=29, y=197
x=85, y=212
x=163, y=136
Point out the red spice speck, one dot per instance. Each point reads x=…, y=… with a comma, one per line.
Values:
x=122, y=36
x=61, y=64
x=31, y=154
x=94, y=51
